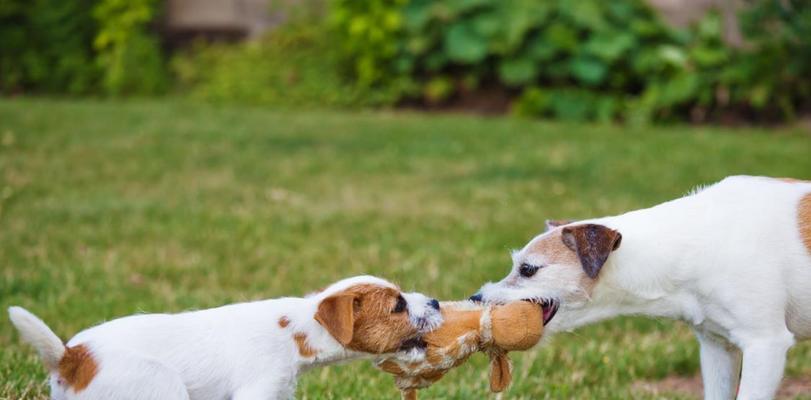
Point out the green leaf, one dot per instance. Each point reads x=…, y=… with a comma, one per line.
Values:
x=519, y=18
x=585, y=13
x=464, y=45
x=610, y=46
x=417, y=15
x=707, y=56
x=540, y=49
x=533, y=102
x=438, y=89
x=561, y=36
x=486, y=24
x=678, y=89
x=517, y=71
x=589, y=70
x=673, y=55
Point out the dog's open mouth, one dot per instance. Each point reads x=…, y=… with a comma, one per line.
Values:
x=549, y=307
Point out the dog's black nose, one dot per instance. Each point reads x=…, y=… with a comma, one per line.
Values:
x=476, y=297
x=434, y=303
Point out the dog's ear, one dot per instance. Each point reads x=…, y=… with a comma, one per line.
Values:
x=554, y=223
x=336, y=314
x=592, y=243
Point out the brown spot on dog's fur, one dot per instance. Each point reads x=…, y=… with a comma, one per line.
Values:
x=361, y=318
x=304, y=348
x=284, y=321
x=77, y=368
x=804, y=220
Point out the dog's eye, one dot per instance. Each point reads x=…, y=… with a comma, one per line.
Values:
x=527, y=270
x=400, y=306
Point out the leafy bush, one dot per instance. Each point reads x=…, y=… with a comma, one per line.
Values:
x=578, y=60
x=774, y=75
x=131, y=61
x=79, y=47
x=45, y=45
x=292, y=66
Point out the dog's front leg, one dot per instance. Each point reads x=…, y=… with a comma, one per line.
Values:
x=764, y=359
x=720, y=366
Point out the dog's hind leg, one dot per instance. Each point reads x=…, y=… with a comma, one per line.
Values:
x=764, y=359
x=720, y=366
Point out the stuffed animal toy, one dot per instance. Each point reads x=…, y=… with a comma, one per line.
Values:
x=467, y=328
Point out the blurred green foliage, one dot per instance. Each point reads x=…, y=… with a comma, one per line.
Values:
x=79, y=47
x=128, y=55
x=579, y=60
x=293, y=66
x=46, y=45
x=564, y=59
x=779, y=62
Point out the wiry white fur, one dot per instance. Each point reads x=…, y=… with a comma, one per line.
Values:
x=727, y=259
x=236, y=351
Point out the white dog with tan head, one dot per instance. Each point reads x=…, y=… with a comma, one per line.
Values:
x=246, y=351
x=733, y=260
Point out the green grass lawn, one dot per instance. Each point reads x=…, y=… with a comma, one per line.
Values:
x=108, y=209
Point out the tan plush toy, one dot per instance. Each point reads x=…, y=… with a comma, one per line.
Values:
x=467, y=328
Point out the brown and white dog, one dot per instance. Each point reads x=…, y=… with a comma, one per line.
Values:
x=733, y=260
x=241, y=351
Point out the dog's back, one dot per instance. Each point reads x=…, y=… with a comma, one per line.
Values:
x=745, y=239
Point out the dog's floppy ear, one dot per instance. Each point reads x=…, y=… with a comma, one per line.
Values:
x=554, y=223
x=592, y=243
x=336, y=314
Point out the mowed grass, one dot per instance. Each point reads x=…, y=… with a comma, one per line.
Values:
x=108, y=209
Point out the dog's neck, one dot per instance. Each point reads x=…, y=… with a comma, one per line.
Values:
x=642, y=277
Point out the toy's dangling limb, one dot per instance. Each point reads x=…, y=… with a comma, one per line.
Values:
x=409, y=394
x=500, y=370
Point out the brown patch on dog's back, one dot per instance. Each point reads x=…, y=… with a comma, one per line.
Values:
x=304, y=348
x=284, y=321
x=77, y=368
x=804, y=220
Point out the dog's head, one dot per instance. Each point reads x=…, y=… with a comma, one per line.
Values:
x=371, y=315
x=557, y=267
